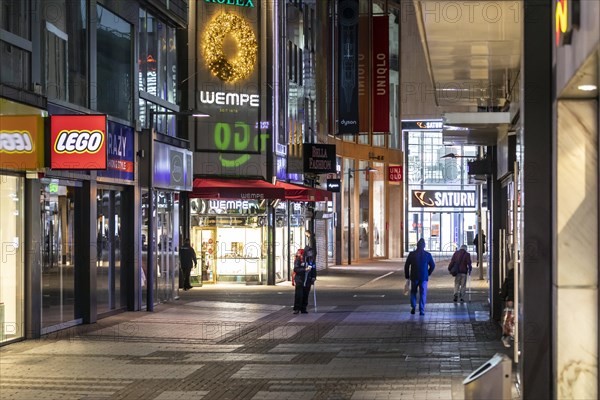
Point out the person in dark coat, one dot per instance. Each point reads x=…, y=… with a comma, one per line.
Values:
x=461, y=260
x=187, y=257
x=419, y=265
x=476, y=244
x=305, y=275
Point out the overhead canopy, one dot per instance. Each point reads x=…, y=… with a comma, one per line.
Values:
x=246, y=189
x=303, y=193
x=254, y=189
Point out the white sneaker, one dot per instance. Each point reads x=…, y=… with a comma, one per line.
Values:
x=506, y=341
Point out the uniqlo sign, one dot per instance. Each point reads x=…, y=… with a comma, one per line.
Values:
x=78, y=142
x=395, y=173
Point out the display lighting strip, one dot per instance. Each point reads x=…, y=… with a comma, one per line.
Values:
x=240, y=66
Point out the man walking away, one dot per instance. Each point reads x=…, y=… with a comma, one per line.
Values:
x=419, y=265
x=461, y=264
x=187, y=257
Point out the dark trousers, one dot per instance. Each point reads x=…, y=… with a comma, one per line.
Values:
x=301, y=297
x=186, y=277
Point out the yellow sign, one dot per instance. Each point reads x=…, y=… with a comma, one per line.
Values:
x=21, y=142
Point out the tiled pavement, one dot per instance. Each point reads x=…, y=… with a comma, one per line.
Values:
x=238, y=342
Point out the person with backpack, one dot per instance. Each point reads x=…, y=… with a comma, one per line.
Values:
x=460, y=267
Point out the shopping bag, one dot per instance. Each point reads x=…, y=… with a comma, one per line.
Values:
x=407, y=287
x=508, y=322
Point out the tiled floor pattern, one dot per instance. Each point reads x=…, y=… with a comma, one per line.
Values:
x=219, y=350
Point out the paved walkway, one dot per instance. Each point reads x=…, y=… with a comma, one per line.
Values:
x=243, y=342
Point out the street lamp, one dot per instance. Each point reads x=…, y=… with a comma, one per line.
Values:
x=350, y=171
x=150, y=166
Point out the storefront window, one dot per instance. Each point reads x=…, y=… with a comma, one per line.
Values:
x=11, y=266
x=281, y=242
x=58, y=254
x=363, y=209
x=348, y=191
x=115, y=55
x=379, y=216
x=108, y=248
x=232, y=238
x=66, y=50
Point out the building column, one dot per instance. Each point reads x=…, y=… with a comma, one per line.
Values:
x=536, y=337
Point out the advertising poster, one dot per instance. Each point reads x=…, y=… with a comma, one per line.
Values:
x=233, y=140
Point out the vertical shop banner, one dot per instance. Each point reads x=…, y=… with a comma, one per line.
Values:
x=78, y=142
x=381, y=74
x=363, y=75
x=233, y=140
x=21, y=142
x=348, y=67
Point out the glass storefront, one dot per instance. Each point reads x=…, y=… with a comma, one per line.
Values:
x=58, y=255
x=109, y=280
x=165, y=246
x=232, y=238
x=441, y=198
x=379, y=208
x=11, y=271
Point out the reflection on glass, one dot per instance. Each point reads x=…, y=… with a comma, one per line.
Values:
x=11, y=273
x=58, y=254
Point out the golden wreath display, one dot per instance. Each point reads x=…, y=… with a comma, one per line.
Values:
x=240, y=66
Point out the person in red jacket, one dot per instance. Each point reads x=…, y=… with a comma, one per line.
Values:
x=460, y=266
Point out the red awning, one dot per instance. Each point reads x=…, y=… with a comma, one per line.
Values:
x=296, y=192
x=302, y=193
x=245, y=189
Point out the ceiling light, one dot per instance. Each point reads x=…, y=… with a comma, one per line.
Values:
x=587, y=88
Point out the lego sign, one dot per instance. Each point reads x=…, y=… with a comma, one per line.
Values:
x=395, y=173
x=78, y=142
x=21, y=142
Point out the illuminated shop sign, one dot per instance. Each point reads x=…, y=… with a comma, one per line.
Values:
x=200, y=206
x=240, y=3
x=234, y=138
x=21, y=138
x=443, y=198
x=334, y=185
x=422, y=125
x=121, y=159
x=78, y=142
x=395, y=173
x=319, y=158
x=566, y=15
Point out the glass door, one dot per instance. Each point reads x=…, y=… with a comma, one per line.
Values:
x=108, y=248
x=204, y=242
x=58, y=255
x=167, y=236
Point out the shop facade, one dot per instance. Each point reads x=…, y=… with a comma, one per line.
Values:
x=22, y=150
x=442, y=201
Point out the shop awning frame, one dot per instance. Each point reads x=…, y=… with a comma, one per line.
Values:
x=245, y=189
x=255, y=189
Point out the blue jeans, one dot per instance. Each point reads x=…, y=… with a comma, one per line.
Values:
x=422, y=286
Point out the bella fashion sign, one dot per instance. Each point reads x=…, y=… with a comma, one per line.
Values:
x=319, y=158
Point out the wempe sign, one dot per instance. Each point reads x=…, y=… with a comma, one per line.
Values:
x=443, y=198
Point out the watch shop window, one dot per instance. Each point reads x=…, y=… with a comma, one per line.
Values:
x=114, y=65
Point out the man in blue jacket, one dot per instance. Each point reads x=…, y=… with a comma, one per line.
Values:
x=419, y=265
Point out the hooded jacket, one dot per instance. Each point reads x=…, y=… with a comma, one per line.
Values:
x=419, y=263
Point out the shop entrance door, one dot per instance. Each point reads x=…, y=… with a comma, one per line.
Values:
x=204, y=241
x=58, y=256
x=167, y=235
x=110, y=294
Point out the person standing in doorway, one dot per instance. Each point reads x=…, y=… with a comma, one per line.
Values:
x=476, y=244
x=419, y=265
x=187, y=257
x=460, y=264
